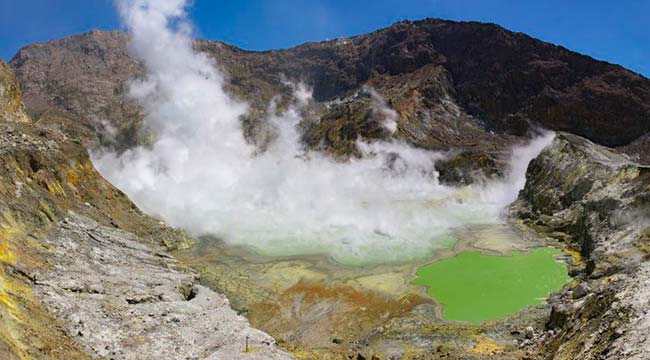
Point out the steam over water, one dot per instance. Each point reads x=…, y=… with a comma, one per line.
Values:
x=202, y=175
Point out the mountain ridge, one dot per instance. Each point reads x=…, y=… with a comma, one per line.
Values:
x=503, y=82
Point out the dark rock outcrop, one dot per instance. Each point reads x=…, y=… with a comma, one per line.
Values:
x=468, y=167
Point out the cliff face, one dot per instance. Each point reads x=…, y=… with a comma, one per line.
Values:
x=453, y=84
x=590, y=199
x=11, y=105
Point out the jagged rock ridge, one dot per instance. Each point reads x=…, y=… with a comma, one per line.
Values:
x=590, y=199
x=452, y=83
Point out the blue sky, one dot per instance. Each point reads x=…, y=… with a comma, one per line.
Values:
x=617, y=32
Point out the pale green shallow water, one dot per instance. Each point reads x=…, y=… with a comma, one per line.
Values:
x=363, y=255
x=474, y=287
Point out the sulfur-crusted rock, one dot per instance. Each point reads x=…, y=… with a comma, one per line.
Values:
x=11, y=105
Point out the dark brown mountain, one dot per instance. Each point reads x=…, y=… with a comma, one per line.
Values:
x=454, y=84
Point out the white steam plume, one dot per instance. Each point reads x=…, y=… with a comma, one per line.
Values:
x=201, y=174
x=380, y=106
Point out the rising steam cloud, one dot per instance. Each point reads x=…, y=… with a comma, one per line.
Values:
x=202, y=175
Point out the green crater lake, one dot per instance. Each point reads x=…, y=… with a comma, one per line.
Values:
x=474, y=287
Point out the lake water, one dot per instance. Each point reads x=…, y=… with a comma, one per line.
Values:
x=475, y=287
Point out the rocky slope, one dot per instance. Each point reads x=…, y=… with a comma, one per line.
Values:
x=78, y=258
x=11, y=106
x=121, y=299
x=593, y=201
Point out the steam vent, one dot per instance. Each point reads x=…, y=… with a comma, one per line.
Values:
x=434, y=189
